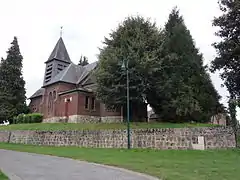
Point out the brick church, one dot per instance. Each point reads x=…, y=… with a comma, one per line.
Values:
x=68, y=93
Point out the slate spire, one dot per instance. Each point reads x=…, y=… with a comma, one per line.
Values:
x=57, y=61
x=59, y=52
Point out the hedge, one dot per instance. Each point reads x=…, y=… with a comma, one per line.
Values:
x=28, y=118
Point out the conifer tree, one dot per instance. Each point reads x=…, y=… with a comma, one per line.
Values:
x=12, y=84
x=185, y=91
x=83, y=61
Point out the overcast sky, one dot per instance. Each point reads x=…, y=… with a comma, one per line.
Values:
x=85, y=23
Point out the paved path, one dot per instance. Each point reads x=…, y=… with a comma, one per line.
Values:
x=28, y=166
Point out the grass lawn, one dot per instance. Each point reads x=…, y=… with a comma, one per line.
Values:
x=165, y=164
x=2, y=176
x=79, y=126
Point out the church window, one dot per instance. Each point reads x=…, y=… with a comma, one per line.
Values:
x=54, y=95
x=86, y=102
x=49, y=102
x=93, y=103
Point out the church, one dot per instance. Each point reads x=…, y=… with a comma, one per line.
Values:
x=68, y=93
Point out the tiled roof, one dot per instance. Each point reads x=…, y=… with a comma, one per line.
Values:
x=87, y=69
x=74, y=74
x=38, y=93
x=59, y=52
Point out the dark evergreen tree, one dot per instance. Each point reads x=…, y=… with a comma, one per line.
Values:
x=228, y=49
x=184, y=90
x=12, y=85
x=137, y=41
x=228, y=52
x=83, y=61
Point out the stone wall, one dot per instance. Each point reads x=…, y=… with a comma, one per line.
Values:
x=179, y=138
x=111, y=119
x=85, y=119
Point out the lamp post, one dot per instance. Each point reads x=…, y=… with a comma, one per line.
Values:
x=125, y=67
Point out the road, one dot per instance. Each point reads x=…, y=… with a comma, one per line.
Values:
x=29, y=166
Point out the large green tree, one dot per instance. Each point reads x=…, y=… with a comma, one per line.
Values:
x=136, y=40
x=228, y=52
x=183, y=88
x=12, y=84
x=228, y=48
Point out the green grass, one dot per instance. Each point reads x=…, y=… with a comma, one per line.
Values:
x=2, y=176
x=79, y=126
x=165, y=164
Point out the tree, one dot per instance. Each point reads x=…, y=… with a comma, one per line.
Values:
x=228, y=49
x=232, y=104
x=136, y=40
x=183, y=88
x=83, y=61
x=12, y=85
x=228, y=52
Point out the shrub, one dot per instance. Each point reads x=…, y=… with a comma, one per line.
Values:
x=28, y=118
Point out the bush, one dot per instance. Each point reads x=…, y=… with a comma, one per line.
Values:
x=28, y=118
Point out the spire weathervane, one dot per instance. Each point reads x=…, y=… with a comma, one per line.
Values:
x=61, y=31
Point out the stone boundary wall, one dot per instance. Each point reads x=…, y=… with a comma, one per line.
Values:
x=85, y=119
x=168, y=138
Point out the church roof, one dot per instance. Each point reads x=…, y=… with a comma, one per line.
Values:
x=59, y=52
x=69, y=75
x=74, y=74
x=38, y=93
x=87, y=70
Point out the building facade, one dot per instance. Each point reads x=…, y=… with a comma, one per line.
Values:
x=68, y=93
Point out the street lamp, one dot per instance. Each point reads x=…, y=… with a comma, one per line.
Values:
x=125, y=67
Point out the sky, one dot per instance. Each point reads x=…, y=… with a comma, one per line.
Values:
x=85, y=24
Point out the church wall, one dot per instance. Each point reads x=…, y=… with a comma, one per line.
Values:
x=82, y=110
x=55, y=109
x=68, y=104
x=35, y=105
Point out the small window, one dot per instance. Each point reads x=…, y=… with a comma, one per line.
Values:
x=93, y=103
x=54, y=95
x=86, y=102
x=49, y=102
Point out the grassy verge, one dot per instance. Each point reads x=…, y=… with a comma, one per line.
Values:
x=79, y=126
x=167, y=164
x=2, y=176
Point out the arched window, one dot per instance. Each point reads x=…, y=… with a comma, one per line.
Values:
x=54, y=95
x=49, y=102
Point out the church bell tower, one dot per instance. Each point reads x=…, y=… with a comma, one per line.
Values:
x=57, y=61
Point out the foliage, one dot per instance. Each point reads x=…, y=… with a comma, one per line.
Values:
x=28, y=118
x=166, y=165
x=165, y=70
x=193, y=96
x=83, y=61
x=232, y=104
x=137, y=41
x=228, y=49
x=228, y=52
x=12, y=90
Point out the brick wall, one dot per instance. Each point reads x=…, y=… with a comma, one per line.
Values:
x=185, y=138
